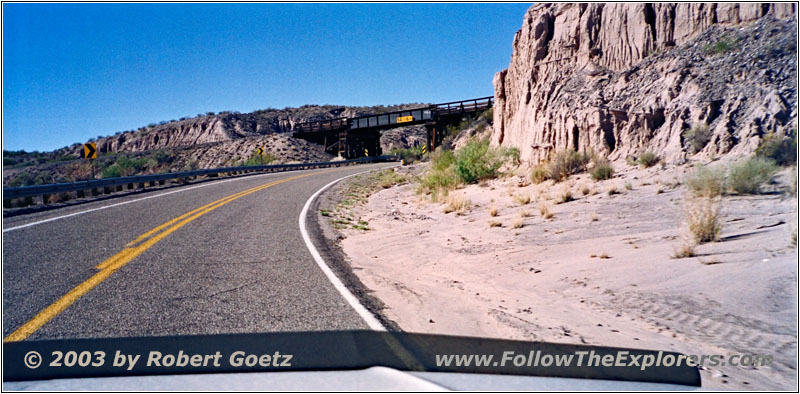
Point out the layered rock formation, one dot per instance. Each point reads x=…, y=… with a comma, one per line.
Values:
x=227, y=126
x=620, y=79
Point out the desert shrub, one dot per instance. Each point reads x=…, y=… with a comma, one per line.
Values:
x=602, y=170
x=111, y=171
x=746, y=176
x=544, y=210
x=522, y=199
x=124, y=166
x=410, y=155
x=723, y=45
x=702, y=218
x=566, y=163
x=565, y=196
x=457, y=204
x=259, y=160
x=389, y=178
x=706, y=181
x=518, y=223
x=696, y=138
x=441, y=177
x=477, y=160
x=781, y=149
x=539, y=173
x=647, y=159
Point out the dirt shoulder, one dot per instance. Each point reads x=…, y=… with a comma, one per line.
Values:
x=600, y=271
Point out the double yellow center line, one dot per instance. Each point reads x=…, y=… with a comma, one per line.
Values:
x=131, y=251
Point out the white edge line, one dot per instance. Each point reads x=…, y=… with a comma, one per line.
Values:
x=181, y=189
x=371, y=321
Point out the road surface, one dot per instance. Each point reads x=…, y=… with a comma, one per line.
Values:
x=218, y=257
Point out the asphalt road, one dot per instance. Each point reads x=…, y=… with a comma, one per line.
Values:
x=238, y=267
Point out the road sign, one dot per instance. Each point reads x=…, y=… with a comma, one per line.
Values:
x=260, y=151
x=404, y=119
x=366, y=152
x=89, y=150
x=424, y=149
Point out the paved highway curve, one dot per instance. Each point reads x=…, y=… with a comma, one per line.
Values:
x=218, y=257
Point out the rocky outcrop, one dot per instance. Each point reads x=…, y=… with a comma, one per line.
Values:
x=620, y=79
x=226, y=126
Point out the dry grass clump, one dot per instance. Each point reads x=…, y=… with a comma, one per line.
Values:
x=594, y=217
x=493, y=211
x=457, y=204
x=544, y=210
x=539, y=173
x=702, y=218
x=525, y=214
x=585, y=190
x=494, y=223
x=613, y=190
x=517, y=223
x=522, y=199
x=565, y=196
x=628, y=186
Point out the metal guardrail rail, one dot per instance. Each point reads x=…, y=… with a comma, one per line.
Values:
x=41, y=190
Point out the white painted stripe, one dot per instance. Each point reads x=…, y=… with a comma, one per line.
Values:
x=371, y=321
x=182, y=189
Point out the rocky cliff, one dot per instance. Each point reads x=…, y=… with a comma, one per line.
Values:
x=620, y=79
x=227, y=126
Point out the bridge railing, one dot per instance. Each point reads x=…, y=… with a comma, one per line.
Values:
x=10, y=193
x=396, y=118
x=464, y=106
x=321, y=125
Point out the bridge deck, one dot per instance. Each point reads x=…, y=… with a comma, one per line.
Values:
x=393, y=119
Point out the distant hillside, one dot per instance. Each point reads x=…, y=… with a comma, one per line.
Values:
x=204, y=141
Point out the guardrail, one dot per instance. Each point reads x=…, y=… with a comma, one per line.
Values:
x=11, y=193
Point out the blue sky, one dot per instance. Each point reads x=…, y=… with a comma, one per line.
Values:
x=72, y=72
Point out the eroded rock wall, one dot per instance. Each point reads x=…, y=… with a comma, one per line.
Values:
x=623, y=78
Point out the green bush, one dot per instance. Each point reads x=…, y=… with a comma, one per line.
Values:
x=722, y=46
x=441, y=177
x=602, y=170
x=696, y=138
x=477, y=160
x=259, y=160
x=410, y=155
x=124, y=166
x=647, y=159
x=566, y=163
x=748, y=175
x=706, y=181
x=111, y=171
x=781, y=149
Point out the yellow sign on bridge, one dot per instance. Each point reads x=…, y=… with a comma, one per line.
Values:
x=404, y=119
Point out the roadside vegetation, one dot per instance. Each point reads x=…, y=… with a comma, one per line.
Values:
x=475, y=162
x=355, y=193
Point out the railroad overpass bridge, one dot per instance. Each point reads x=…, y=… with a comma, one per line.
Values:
x=360, y=136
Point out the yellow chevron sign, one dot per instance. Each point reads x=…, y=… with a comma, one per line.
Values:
x=260, y=151
x=403, y=119
x=89, y=150
x=424, y=149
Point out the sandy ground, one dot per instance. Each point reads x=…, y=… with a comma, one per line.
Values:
x=600, y=271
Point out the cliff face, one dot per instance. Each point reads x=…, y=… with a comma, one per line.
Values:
x=623, y=78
